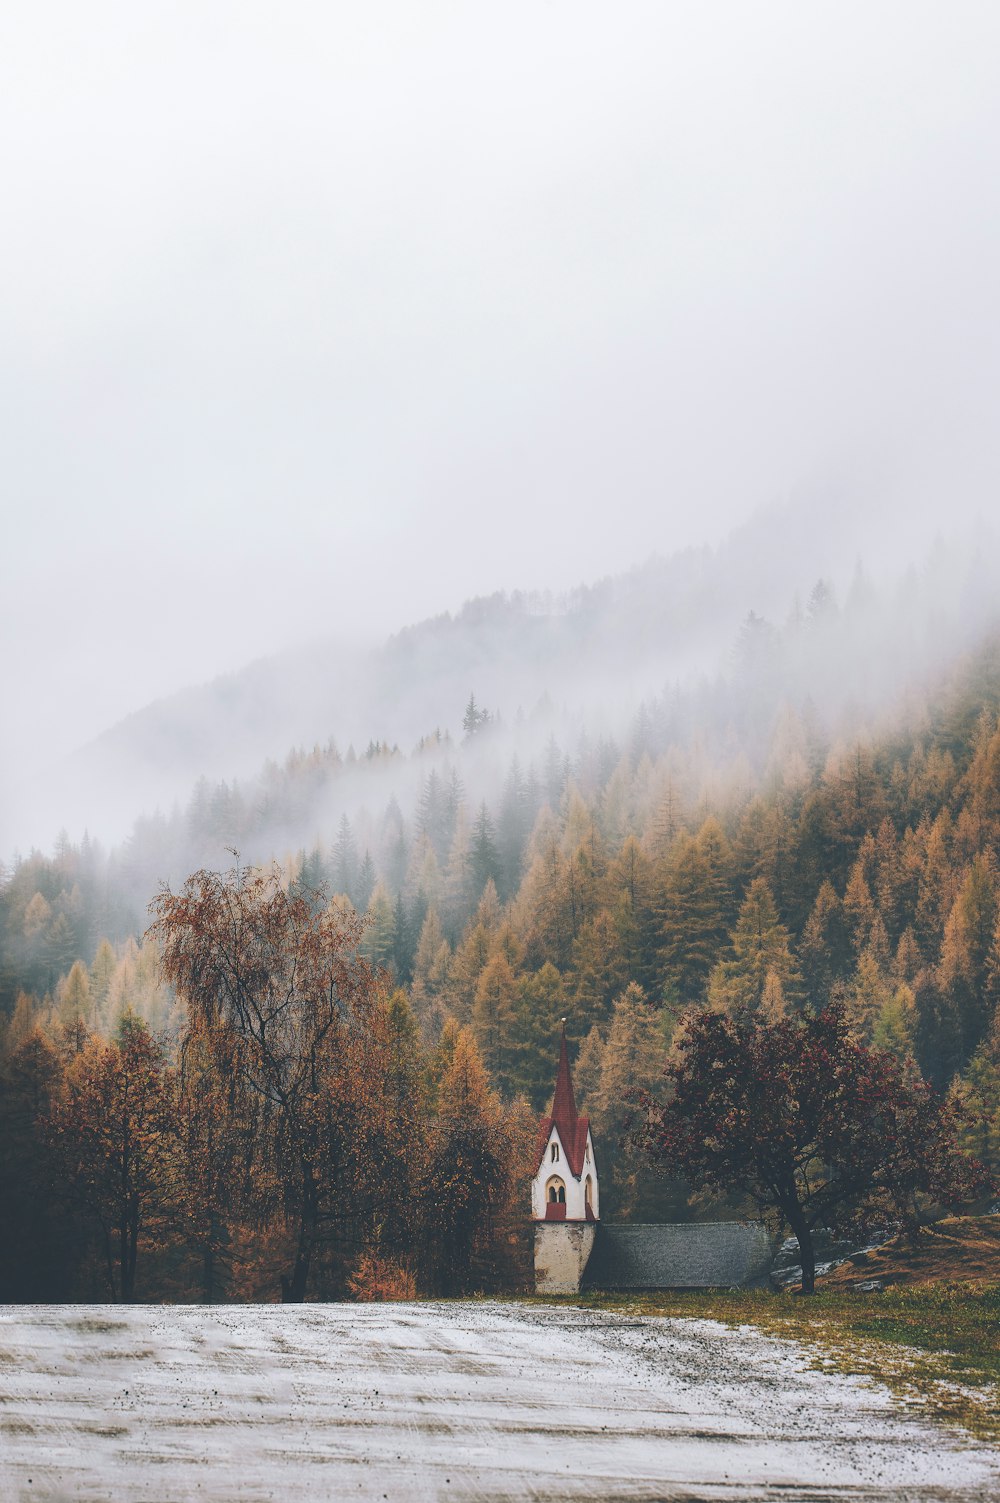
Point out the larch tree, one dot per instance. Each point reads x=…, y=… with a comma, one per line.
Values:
x=41, y=1240
x=467, y=1170
x=695, y=910
x=762, y=962
x=541, y=1006
x=494, y=1015
x=114, y=1135
x=965, y=950
x=631, y=1061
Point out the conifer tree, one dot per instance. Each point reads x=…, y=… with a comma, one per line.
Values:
x=431, y=974
x=696, y=911
x=630, y=889
x=587, y=1070
x=761, y=958
x=824, y=948
x=494, y=1017
x=484, y=858
x=345, y=861
x=466, y=1174
x=938, y=886
x=632, y=1060
x=965, y=951
x=380, y=934
x=101, y=972
x=44, y=1242
x=896, y=1025
x=599, y=969
x=114, y=1137
x=514, y=825
x=74, y=996
x=541, y=1006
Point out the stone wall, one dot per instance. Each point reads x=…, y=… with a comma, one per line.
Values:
x=562, y=1251
x=699, y=1255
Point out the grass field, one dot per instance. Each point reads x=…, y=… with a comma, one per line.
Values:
x=938, y=1347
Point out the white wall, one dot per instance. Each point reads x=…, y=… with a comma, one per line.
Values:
x=575, y=1188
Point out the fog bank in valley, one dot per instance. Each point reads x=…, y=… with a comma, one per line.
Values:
x=318, y=323
x=702, y=655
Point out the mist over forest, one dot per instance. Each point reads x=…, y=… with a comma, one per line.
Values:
x=621, y=804
x=709, y=628
x=518, y=492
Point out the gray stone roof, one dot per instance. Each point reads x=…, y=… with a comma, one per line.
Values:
x=700, y=1255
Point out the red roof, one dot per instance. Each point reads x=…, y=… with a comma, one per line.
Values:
x=572, y=1129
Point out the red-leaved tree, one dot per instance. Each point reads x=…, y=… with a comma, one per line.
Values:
x=807, y=1121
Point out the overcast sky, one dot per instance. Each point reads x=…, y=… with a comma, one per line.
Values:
x=323, y=317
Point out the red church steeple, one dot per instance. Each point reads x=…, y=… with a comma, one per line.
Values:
x=564, y=1113
x=573, y=1129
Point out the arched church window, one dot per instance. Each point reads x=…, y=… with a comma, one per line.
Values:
x=555, y=1152
x=586, y=1154
x=555, y=1191
x=588, y=1193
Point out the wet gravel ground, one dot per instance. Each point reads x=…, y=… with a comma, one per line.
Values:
x=454, y=1400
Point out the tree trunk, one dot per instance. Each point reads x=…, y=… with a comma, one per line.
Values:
x=208, y=1274
x=123, y=1259
x=802, y=1232
x=293, y=1290
x=130, y=1232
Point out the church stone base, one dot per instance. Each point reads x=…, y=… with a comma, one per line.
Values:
x=562, y=1249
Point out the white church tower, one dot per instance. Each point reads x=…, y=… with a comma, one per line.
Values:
x=565, y=1200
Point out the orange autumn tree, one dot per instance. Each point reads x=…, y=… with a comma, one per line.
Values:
x=289, y=1011
x=113, y=1135
x=213, y=1154
x=477, y=1171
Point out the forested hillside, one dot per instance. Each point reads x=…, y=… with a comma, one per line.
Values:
x=732, y=844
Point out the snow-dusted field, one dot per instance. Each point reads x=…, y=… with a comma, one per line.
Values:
x=463, y=1401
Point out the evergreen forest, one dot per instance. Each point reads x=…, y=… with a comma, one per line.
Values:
x=730, y=843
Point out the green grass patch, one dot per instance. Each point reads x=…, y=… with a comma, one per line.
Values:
x=937, y=1347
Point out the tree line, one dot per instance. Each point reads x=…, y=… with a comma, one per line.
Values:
x=619, y=886
x=299, y=1140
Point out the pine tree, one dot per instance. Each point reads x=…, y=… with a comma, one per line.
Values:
x=965, y=952
x=896, y=1025
x=484, y=859
x=938, y=886
x=761, y=958
x=74, y=996
x=695, y=913
x=380, y=935
x=514, y=827
x=541, y=1007
x=101, y=972
x=599, y=969
x=44, y=1242
x=431, y=974
x=466, y=1174
x=825, y=949
x=474, y=951
x=632, y=1060
x=114, y=1136
x=495, y=1016
x=364, y=884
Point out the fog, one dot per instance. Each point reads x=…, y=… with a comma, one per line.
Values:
x=321, y=320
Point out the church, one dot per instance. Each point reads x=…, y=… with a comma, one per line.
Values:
x=573, y=1250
